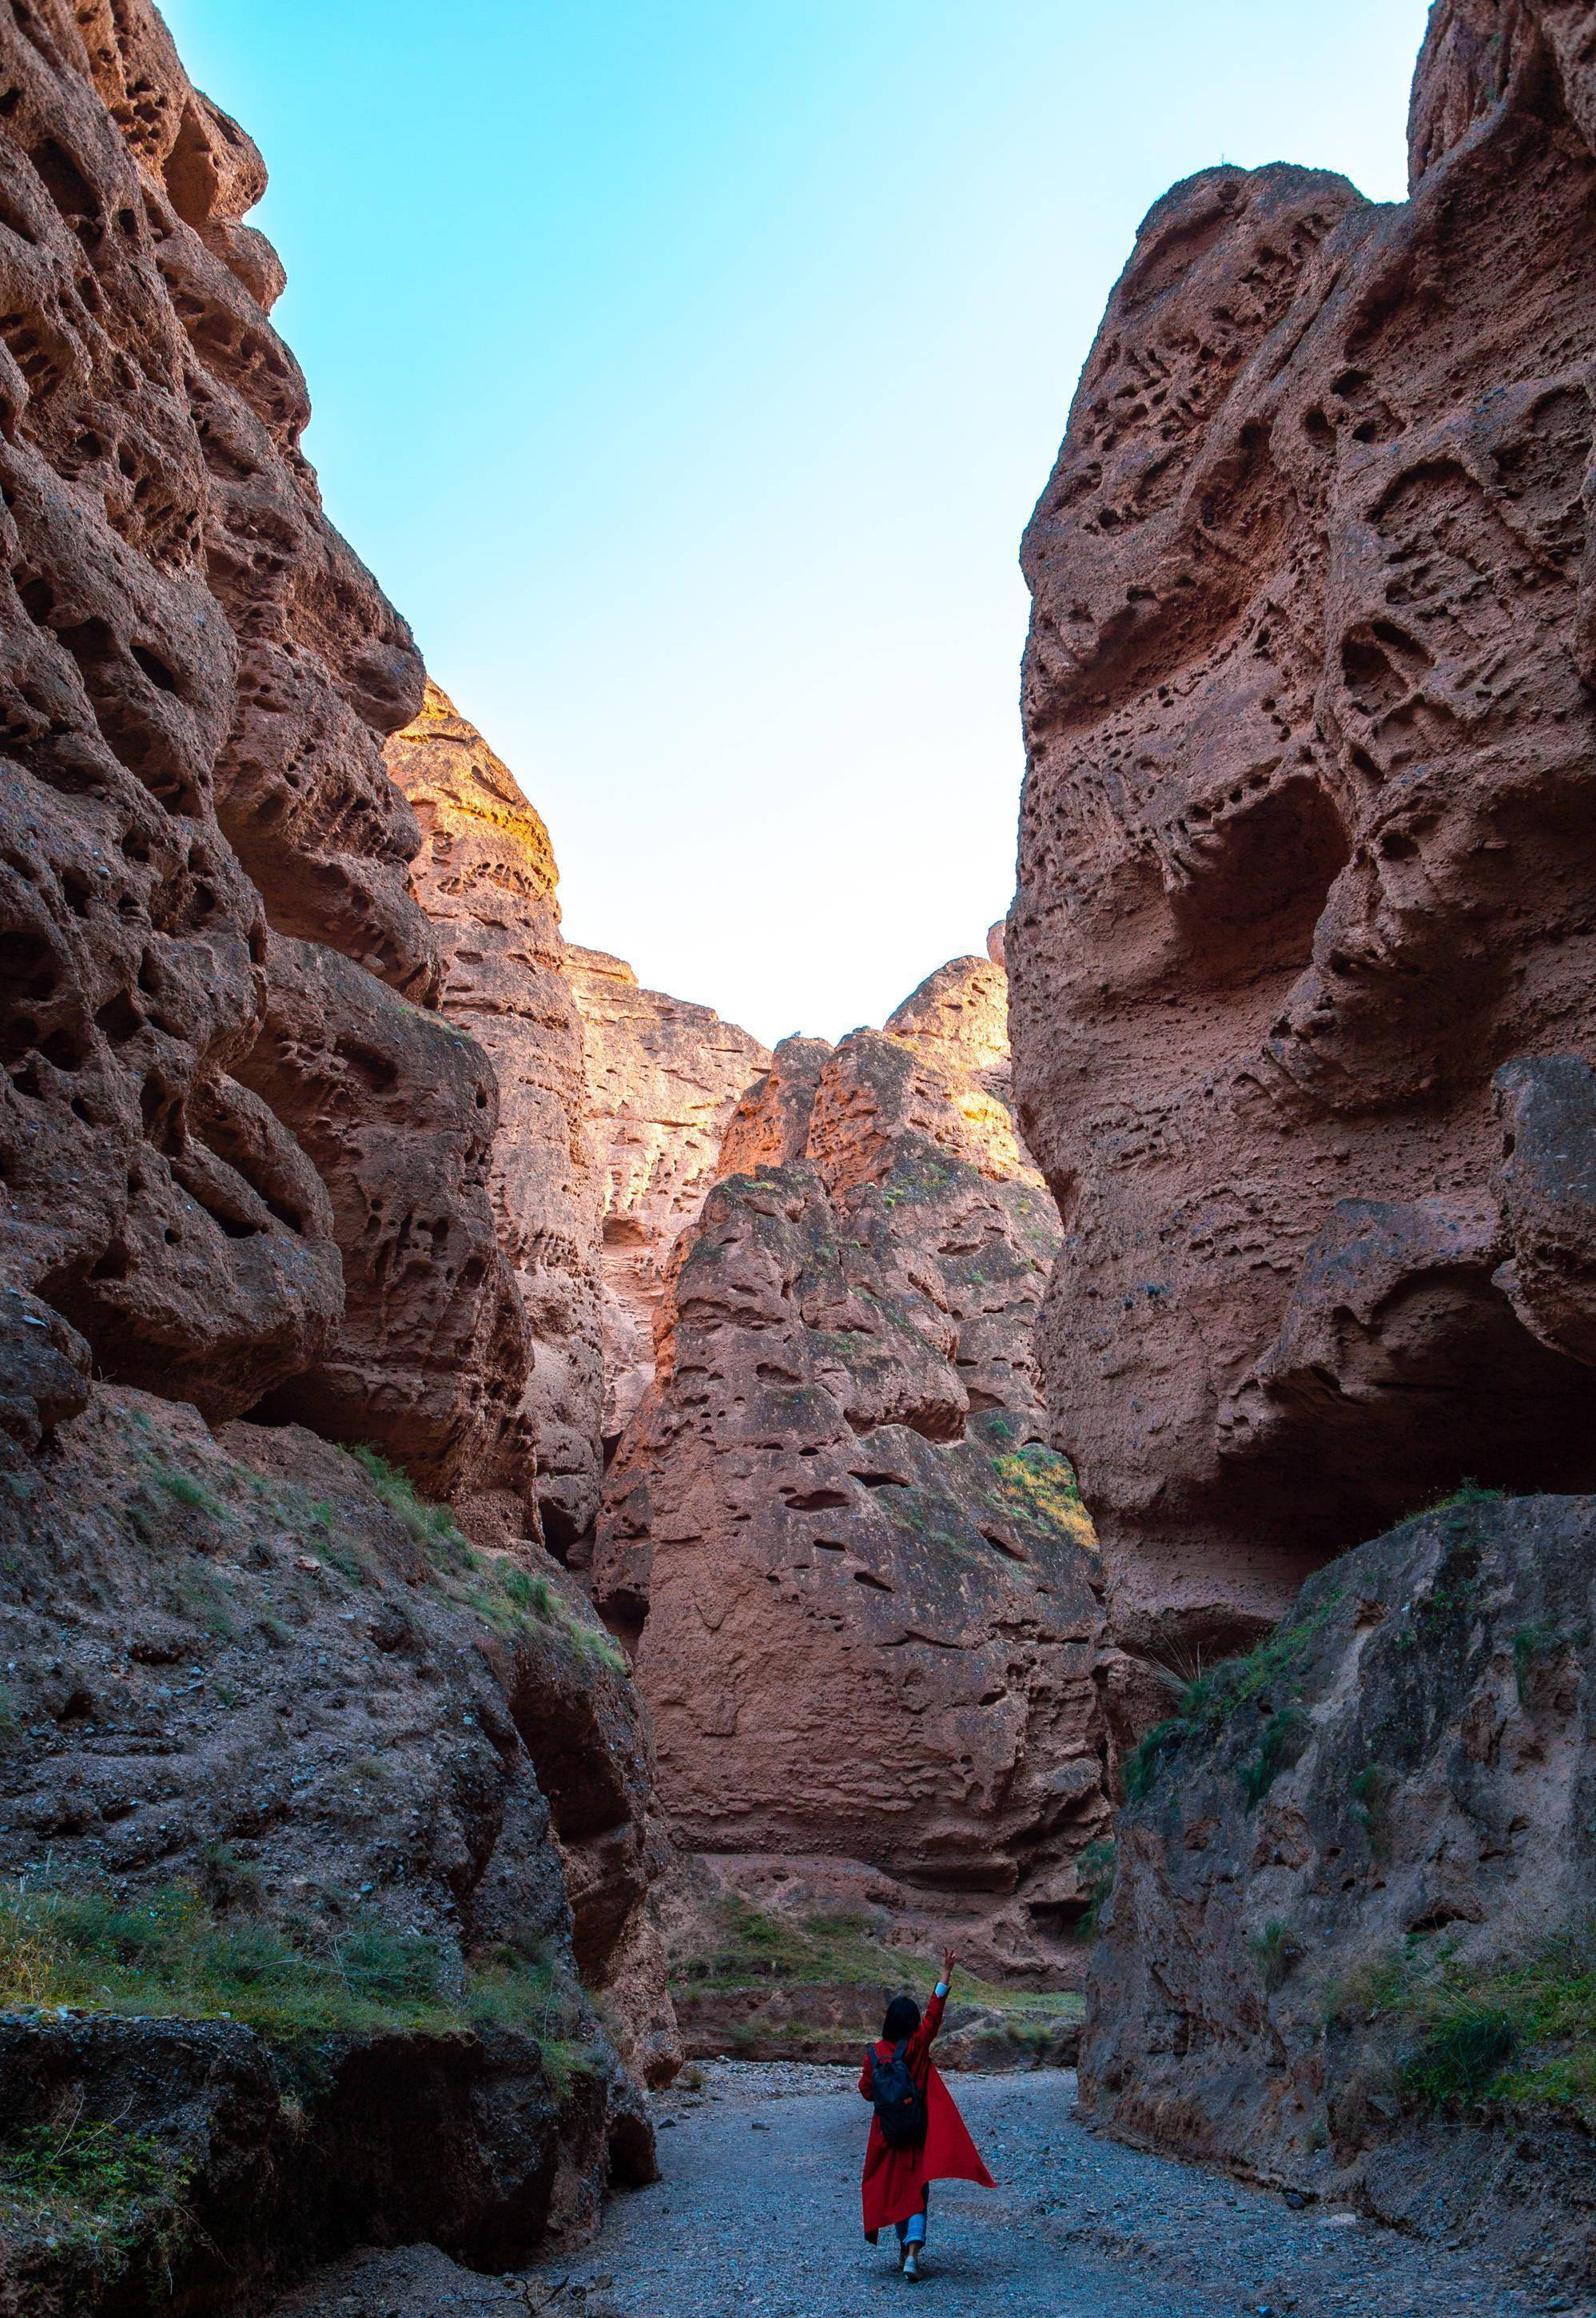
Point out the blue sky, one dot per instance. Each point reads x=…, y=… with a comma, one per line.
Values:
x=687, y=370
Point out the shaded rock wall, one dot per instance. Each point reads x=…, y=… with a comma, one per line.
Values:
x=861, y=1587
x=1390, y=1814
x=238, y=1666
x=663, y=1076
x=469, y=2137
x=1302, y=939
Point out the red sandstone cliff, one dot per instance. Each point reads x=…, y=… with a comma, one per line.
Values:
x=1302, y=949
x=249, y=1171
x=861, y=1586
x=487, y=877
x=1304, y=969
x=662, y=1076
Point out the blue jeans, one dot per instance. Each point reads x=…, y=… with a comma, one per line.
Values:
x=913, y=2231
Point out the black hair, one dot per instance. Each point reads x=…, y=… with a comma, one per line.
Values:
x=903, y=2018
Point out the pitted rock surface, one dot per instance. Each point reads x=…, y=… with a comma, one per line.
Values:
x=663, y=1078
x=487, y=877
x=398, y=1110
x=201, y=839
x=861, y=1586
x=1307, y=845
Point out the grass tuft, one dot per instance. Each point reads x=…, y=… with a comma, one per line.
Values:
x=168, y=1953
x=1276, y=1951
x=91, y=2187
x=1207, y=1703
x=1284, y=1736
x=1515, y=2032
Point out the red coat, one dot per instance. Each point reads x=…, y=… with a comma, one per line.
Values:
x=895, y=2179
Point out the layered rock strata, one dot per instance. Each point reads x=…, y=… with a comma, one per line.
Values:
x=1351, y=1918
x=1302, y=945
x=860, y=1585
x=662, y=1078
x=487, y=877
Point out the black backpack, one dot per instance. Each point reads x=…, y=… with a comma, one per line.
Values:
x=899, y=2102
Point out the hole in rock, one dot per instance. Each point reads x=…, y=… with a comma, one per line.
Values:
x=63, y=1049
x=158, y=673
x=120, y=1019
x=374, y=1069
x=1261, y=885
x=63, y=181
x=28, y=967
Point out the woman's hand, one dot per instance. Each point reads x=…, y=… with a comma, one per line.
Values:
x=949, y=1958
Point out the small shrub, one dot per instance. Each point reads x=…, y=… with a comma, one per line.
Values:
x=1142, y=1764
x=1275, y=1951
x=1372, y=1790
x=1094, y=1872
x=1284, y=1736
x=1459, y=2055
x=1466, y=1493
x=97, y=2189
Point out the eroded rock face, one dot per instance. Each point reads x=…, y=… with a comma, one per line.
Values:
x=240, y=1642
x=1307, y=849
x=222, y=1136
x=246, y=1169
x=862, y=1585
x=1396, y=1801
x=663, y=1077
x=398, y=1110
x=488, y=880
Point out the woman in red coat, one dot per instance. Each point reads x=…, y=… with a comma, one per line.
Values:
x=897, y=2181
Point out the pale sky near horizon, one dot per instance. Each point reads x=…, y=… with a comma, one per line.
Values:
x=687, y=370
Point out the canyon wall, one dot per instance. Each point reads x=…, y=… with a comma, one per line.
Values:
x=1303, y=965
x=1351, y=1923
x=261, y=1200
x=859, y=1585
x=1302, y=950
x=487, y=877
x=662, y=1077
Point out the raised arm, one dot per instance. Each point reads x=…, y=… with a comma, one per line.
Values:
x=931, y=2018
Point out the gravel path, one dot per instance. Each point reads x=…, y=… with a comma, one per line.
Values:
x=758, y=2216
x=757, y=2212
